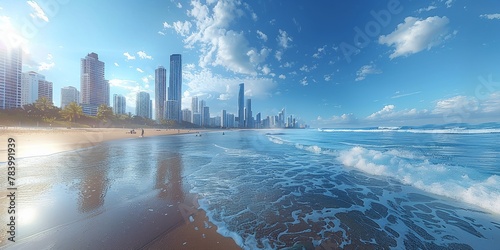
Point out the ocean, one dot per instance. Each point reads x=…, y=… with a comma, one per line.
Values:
x=432, y=187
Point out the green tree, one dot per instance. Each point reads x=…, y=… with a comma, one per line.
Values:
x=72, y=111
x=104, y=113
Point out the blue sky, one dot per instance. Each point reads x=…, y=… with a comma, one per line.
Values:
x=329, y=63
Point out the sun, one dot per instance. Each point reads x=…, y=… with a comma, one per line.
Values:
x=10, y=37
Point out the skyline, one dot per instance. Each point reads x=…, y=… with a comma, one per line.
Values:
x=329, y=64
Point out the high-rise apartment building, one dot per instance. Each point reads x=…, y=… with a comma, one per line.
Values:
x=241, y=107
x=248, y=114
x=68, y=95
x=29, y=87
x=119, y=104
x=175, y=89
x=206, y=117
x=142, y=105
x=45, y=89
x=10, y=76
x=160, y=93
x=186, y=115
x=94, y=88
x=201, y=108
x=223, y=119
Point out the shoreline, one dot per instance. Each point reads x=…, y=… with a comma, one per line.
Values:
x=192, y=232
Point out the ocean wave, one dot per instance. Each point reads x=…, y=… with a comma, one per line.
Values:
x=456, y=182
x=417, y=131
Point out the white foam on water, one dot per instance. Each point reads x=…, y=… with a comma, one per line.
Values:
x=417, y=131
x=441, y=179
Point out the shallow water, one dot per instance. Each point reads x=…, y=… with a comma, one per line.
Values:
x=275, y=189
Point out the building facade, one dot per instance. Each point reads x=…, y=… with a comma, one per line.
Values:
x=175, y=89
x=119, y=104
x=241, y=106
x=160, y=93
x=10, y=76
x=45, y=89
x=142, y=105
x=68, y=95
x=94, y=88
x=29, y=87
x=248, y=114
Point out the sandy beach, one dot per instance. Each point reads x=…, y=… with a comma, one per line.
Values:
x=170, y=219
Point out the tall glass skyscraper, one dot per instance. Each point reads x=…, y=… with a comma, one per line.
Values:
x=10, y=76
x=142, y=105
x=175, y=89
x=160, y=92
x=248, y=114
x=241, y=106
x=119, y=104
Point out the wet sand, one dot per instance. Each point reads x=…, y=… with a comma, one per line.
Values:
x=163, y=218
x=37, y=142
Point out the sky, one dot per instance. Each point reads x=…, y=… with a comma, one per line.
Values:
x=328, y=63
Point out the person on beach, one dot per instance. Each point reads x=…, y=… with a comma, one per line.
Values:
x=142, y=132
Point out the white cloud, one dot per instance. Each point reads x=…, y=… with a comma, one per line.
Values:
x=389, y=113
x=266, y=70
x=182, y=28
x=179, y=5
x=38, y=11
x=209, y=30
x=398, y=95
x=448, y=3
x=161, y=33
x=128, y=56
x=344, y=118
x=327, y=78
x=491, y=16
x=143, y=55
x=140, y=70
x=258, y=57
x=254, y=16
x=262, y=36
x=320, y=52
x=166, y=25
x=282, y=76
x=366, y=70
x=46, y=66
x=278, y=55
x=117, y=65
x=415, y=35
x=456, y=105
x=491, y=104
x=304, y=81
x=431, y=7
x=284, y=39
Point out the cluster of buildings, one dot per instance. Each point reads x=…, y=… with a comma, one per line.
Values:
x=19, y=88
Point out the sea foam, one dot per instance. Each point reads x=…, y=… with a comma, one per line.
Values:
x=441, y=179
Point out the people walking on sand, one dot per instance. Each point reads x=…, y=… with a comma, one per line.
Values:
x=142, y=132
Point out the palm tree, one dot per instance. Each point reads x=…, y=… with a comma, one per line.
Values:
x=72, y=111
x=104, y=112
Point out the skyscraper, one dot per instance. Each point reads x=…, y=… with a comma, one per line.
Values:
x=94, y=88
x=119, y=104
x=45, y=90
x=68, y=95
x=194, y=107
x=248, y=114
x=241, y=107
x=201, y=108
x=29, y=87
x=160, y=92
x=223, y=119
x=10, y=76
x=142, y=104
x=175, y=89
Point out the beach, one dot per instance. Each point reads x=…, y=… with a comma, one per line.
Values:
x=165, y=217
